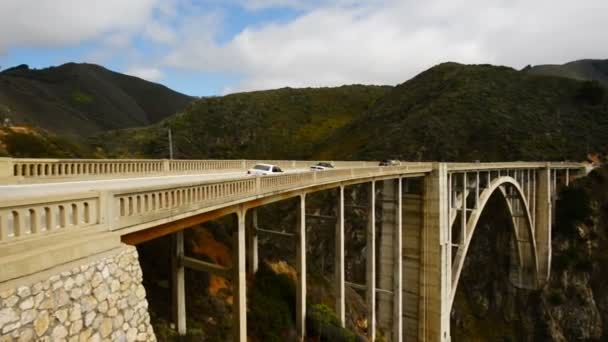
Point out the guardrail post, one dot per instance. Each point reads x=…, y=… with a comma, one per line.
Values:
x=6, y=168
x=166, y=166
x=107, y=213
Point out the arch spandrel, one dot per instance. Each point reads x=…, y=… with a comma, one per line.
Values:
x=525, y=273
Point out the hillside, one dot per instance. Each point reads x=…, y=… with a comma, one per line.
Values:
x=283, y=123
x=83, y=99
x=478, y=112
x=586, y=69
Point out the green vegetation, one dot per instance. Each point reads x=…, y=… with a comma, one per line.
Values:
x=476, y=112
x=449, y=112
x=283, y=123
x=586, y=69
x=271, y=305
x=321, y=322
x=39, y=144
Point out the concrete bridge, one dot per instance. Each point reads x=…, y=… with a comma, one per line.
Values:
x=73, y=221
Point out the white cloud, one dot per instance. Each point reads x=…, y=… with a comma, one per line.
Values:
x=388, y=42
x=63, y=22
x=147, y=73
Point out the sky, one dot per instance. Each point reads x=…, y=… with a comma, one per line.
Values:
x=215, y=47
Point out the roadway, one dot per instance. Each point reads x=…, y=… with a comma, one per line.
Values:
x=20, y=191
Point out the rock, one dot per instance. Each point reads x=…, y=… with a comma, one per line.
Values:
x=97, y=279
x=10, y=327
x=41, y=324
x=79, y=280
x=28, y=303
x=37, y=288
x=105, y=273
x=88, y=318
x=38, y=299
x=59, y=332
x=28, y=316
x=76, y=327
x=88, y=303
x=11, y=301
x=61, y=298
x=6, y=293
x=140, y=292
x=112, y=312
x=61, y=315
x=24, y=291
x=57, y=284
x=118, y=321
x=75, y=313
x=47, y=303
x=103, y=307
x=106, y=327
x=95, y=338
x=131, y=335
x=76, y=293
x=68, y=284
x=26, y=335
x=101, y=292
x=142, y=337
x=8, y=315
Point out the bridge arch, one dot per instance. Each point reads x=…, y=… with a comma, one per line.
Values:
x=525, y=273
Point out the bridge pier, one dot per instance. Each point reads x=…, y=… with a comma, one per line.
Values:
x=436, y=263
x=301, y=269
x=371, y=262
x=390, y=282
x=252, y=243
x=179, y=283
x=339, y=260
x=239, y=281
x=542, y=223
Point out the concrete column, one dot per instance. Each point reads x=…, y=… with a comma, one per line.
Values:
x=398, y=265
x=301, y=270
x=542, y=229
x=386, y=264
x=371, y=262
x=179, y=284
x=239, y=282
x=252, y=243
x=412, y=229
x=339, y=259
x=436, y=263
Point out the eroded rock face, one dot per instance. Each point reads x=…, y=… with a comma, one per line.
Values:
x=87, y=301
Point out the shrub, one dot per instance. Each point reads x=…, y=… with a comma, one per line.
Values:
x=591, y=92
x=322, y=322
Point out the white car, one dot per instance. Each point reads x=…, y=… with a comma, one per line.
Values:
x=264, y=169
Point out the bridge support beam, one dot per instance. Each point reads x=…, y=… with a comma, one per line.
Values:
x=239, y=281
x=301, y=269
x=542, y=223
x=436, y=263
x=179, y=283
x=412, y=230
x=371, y=262
x=339, y=260
x=390, y=282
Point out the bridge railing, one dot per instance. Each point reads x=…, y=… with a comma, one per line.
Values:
x=42, y=214
x=14, y=170
x=35, y=216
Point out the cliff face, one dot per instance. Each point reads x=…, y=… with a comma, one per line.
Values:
x=572, y=306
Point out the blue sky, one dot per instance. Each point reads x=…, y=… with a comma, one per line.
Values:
x=213, y=47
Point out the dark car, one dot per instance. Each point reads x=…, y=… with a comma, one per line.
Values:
x=321, y=166
x=389, y=162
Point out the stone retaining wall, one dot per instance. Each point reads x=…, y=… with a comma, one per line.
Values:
x=100, y=300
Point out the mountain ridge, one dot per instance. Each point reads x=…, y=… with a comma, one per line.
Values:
x=80, y=99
